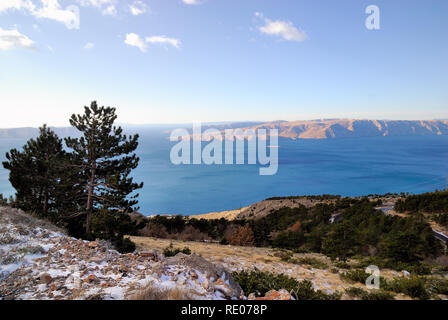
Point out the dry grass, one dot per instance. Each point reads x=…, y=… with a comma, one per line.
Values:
x=211, y=251
x=150, y=292
x=228, y=215
x=264, y=259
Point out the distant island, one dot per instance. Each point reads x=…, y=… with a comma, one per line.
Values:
x=350, y=128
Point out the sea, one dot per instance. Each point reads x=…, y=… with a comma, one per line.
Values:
x=347, y=167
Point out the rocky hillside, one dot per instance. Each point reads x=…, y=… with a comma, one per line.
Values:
x=38, y=261
x=350, y=128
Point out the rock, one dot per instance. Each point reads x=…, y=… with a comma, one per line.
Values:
x=46, y=278
x=97, y=259
x=93, y=244
x=225, y=283
x=206, y=284
x=147, y=254
x=273, y=295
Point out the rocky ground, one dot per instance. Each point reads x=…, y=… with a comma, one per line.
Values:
x=38, y=261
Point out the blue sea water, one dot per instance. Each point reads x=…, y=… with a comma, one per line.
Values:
x=348, y=167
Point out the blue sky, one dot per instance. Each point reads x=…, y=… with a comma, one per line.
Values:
x=178, y=61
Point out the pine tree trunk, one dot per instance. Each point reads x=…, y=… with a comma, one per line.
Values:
x=91, y=183
x=89, y=198
x=45, y=202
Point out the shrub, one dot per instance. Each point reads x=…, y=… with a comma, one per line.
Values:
x=288, y=240
x=3, y=201
x=412, y=286
x=171, y=252
x=242, y=236
x=260, y=283
x=420, y=269
x=366, y=295
x=313, y=262
x=438, y=286
x=123, y=245
x=342, y=265
x=358, y=275
x=305, y=291
x=441, y=219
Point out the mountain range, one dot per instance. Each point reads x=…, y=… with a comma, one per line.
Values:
x=351, y=128
x=306, y=129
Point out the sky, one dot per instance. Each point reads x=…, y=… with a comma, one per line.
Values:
x=181, y=61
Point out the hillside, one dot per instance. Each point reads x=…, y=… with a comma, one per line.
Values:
x=351, y=128
x=38, y=261
x=265, y=207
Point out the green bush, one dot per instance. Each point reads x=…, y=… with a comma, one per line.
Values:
x=441, y=219
x=438, y=286
x=313, y=262
x=260, y=283
x=123, y=245
x=342, y=265
x=420, y=269
x=372, y=295
x=3, y=201
x=358, y=275
x=412, y=286
x=288, y=240
x=305, y=291
x=171, y=252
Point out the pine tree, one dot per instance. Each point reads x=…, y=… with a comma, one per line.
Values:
x=104, y=158
x=36, y=173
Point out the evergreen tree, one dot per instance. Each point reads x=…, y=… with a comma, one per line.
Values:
x=104, y=158
x=36, y=173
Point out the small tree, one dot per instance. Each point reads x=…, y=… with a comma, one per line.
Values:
x=104, y=158
x=36, y=173
x=242, y=236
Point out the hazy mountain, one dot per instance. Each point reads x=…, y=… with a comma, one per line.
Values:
x=29, y=132
x=309, y=129
x=348, y=128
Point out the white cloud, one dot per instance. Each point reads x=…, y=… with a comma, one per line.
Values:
x=191, y=2
x=107, y=7
x=95, y=3
x=138, y=7
x=51, y=9
x=110, y=11
x=13, y=39
x=16, y=5
x=284, y=29
x=89, y=46
x=133, y=39
x=163, y=40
